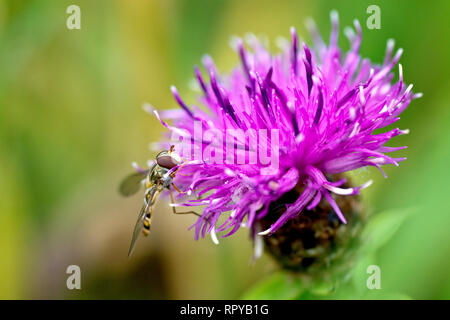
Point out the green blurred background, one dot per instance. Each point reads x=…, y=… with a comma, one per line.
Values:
x=71, y=123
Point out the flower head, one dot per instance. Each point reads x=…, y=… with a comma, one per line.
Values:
x=321, y=108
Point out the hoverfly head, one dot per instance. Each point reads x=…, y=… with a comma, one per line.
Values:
x=168, y=158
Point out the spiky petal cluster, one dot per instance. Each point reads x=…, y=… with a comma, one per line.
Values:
x=326, y=106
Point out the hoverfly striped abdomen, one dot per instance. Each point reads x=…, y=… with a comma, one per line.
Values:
x=147, y=223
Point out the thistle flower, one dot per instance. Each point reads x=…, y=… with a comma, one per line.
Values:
x=324, y=106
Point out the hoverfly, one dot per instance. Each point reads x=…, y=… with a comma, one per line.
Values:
x=158, y=178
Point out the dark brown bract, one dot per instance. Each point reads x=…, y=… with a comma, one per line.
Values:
x=315, y=238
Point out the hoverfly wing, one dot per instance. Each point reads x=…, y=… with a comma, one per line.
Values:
x=146, y=208
x=132, y=183
x=137, y=228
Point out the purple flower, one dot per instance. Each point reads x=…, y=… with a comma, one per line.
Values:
x=322, y=107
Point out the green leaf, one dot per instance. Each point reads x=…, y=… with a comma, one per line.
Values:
x=359, y=273
x=383, y=226
x=278, y=286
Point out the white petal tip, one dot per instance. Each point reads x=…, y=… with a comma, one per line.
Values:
x=367, y=184
x=235, y=42
x=147, y=107
x=258, y=248
x=409, y=88
x=406, y=131
x=266, y=232
x=214, y=236
x=193, y=162
x=174, y=205
x=310, y=24
x=229, y=172
x=349, y=32
x=299, y=138
x=334, y=15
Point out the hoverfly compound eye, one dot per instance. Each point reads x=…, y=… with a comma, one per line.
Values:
x=168, y=161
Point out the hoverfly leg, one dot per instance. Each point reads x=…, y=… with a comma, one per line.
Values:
x=175, y=210
x=178, y=190
x=172, y=175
